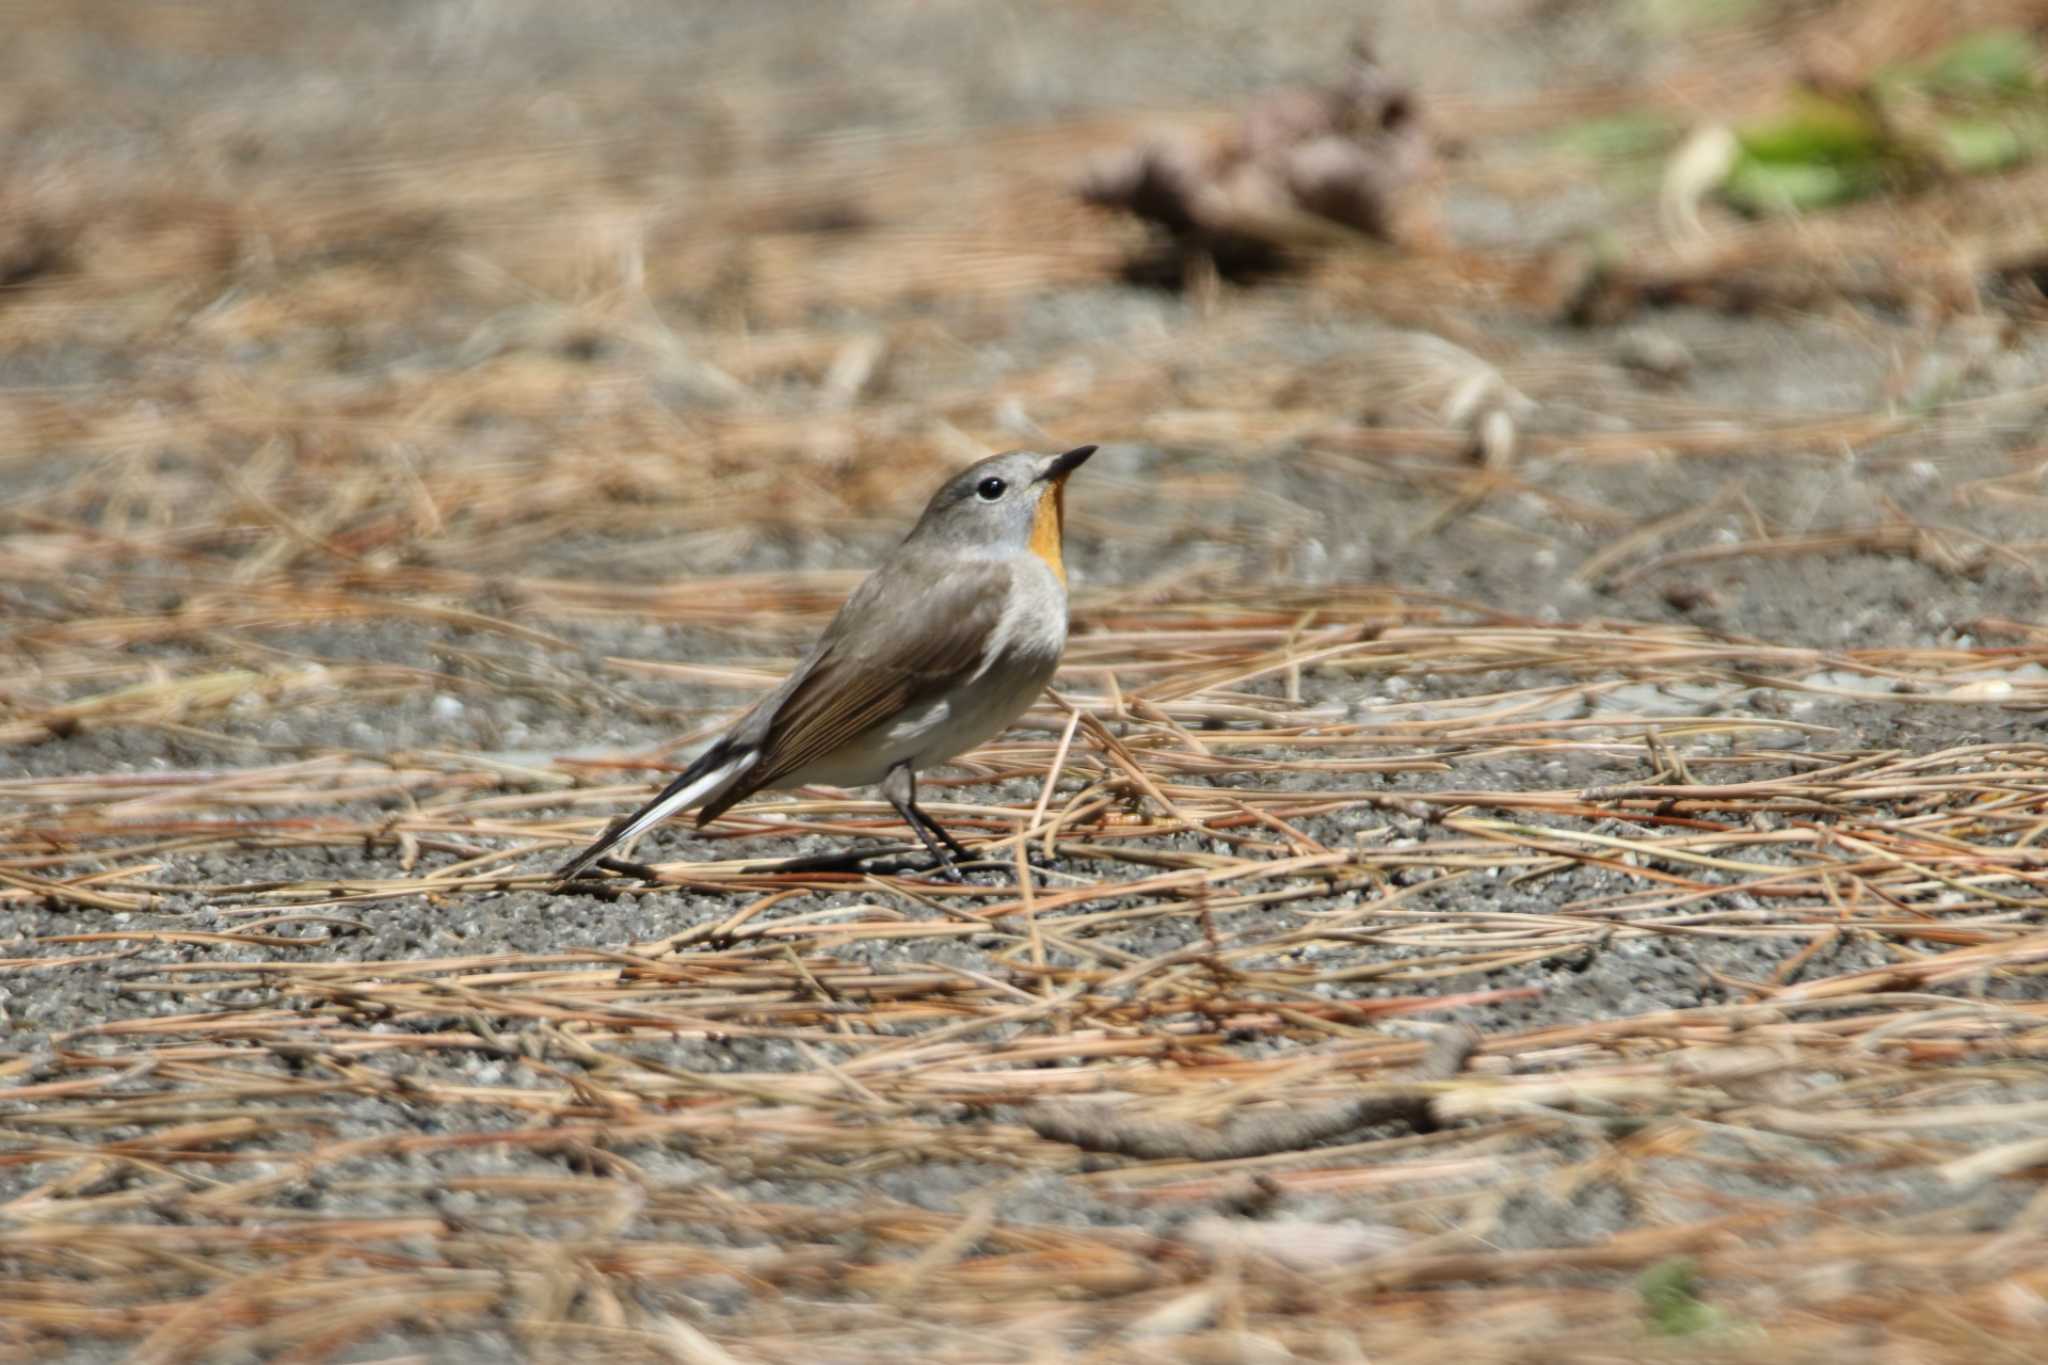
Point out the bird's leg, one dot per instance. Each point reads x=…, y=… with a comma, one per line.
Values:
x=959, y=851
x=900, y=787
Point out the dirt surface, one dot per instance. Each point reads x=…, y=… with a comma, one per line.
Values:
x=417, y=422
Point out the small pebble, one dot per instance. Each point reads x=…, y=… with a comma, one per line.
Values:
x=1656, y=354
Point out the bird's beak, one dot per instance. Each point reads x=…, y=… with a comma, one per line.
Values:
x=1063, y=465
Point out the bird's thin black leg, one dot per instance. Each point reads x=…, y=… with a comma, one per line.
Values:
x=959, y=851
x=900, y=787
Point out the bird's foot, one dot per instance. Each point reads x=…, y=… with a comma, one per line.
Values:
x=891, y=861
x=626, y=867
x=1004, y=866
x=840, y=860
x=587, y=881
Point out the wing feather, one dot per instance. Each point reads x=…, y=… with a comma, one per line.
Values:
x=910, y=632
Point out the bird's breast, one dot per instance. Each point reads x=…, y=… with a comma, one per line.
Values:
x=1030, y=632
x=1021, y=655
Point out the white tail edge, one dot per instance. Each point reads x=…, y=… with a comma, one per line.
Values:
x=684, y=793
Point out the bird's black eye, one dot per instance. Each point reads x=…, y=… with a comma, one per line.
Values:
x=990, y=489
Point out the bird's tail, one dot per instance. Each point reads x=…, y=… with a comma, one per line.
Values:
x=713, y=771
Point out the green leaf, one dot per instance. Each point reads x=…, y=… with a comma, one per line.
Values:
x=1793, y=187
x=1992, y=60
x=1691, y=16
x=1815, y=128
x=1982, y=144
x=1670, y=1296
x=1638, y=133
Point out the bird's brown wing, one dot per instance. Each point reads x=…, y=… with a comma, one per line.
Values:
x=915, y=628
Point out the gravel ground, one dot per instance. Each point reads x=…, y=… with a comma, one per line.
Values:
x=1515, y=554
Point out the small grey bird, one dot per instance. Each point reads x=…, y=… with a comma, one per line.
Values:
x=950, y=640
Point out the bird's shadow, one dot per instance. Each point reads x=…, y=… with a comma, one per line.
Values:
x=903, y=860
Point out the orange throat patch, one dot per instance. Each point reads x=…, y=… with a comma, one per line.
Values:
x=1046, y=528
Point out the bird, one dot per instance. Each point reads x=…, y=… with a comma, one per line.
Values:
x=951, y=638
